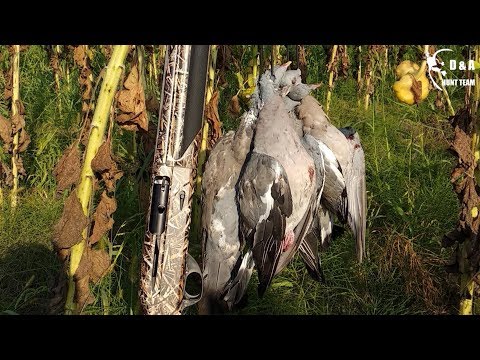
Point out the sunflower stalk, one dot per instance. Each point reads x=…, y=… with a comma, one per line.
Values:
x=143, y=82
x=277, y=57
x=97, y=133
x=154, y=63
x=369, y=71
x=331, y=69
x=451, y=111
x=15, y=111
x=359, y=75
x=476, y=89
x=467, y=284
x=57, y=70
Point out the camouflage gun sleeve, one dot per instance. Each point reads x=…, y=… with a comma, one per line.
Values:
x=166, y=263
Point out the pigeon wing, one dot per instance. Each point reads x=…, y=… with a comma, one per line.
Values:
x=265, y=201
x=356, y=195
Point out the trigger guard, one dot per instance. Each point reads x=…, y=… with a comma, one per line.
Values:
x=191, y=268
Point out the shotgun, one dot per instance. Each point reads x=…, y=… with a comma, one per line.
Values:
x=166, y=263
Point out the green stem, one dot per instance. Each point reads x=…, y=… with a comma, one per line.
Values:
x=97, y=133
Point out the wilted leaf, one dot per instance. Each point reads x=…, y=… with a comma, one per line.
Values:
x=103, y=159
x=439, y=101
x=224, y=61
x=224, y=56
x=345, y=62
x=20, y=108
x=83, y=295
x=302, y=62
x=110, y=178
x=84, y=137
x=23, y=141
x=104, y=164
x=131, y=102
x=211, y=113
x=18, y=123
x=132, y=80
x=462, y=146
x=86, y=83
x=103, y=217
x=6, y=174
x=5, y=131
x=332, y=65
x=8, y=84
x=93, y=266
x=68, y=230
x=19, y=164
x=68, y=168
x=126, y=101
x=465, y=186
x=149, y=138
x=54, y=63
x=100, y=263
x=152, y=104
x=79, y=55
x=234, y=106
x=416, y=89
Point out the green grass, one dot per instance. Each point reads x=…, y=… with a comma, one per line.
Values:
x=28, y=265
x=410, y=204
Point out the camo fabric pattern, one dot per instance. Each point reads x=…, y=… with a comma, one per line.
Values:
x=166, y=297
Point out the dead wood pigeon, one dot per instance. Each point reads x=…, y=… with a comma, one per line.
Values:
x=276, y=192
x=221, y=247
x=344, y=190
x=226, y=271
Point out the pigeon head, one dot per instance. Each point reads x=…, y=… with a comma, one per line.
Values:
x=278, y=73
x=291, y=77
x=268, y=85
x=299, y=91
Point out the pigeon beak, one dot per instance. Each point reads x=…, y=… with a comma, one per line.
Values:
x=287, y=64
x=315, y=86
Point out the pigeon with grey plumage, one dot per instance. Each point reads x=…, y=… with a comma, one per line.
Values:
x=276, y=192
x=309, y=247
x=344, y=189
x=300, y=90
x=290, y=78
x=226, y=270
x=321, y=228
